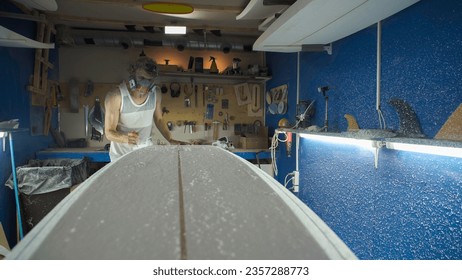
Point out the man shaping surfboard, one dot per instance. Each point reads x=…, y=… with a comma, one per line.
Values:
x=131, y=108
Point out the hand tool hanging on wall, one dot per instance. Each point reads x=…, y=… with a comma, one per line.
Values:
x=224, y=103
x=195, y=95
x=175, y=89
x=254, y=109
x=204, y=88
x=74, y=95
x=225, y=122
x=165, y=111
x=59, y=94
x=89, y=89
x=57, y=134
x=188, y=90
x=189, y=127
x=170, y=125
x=96, y=118
x=209, y=112
x=47, y=121
x=86, y=112
x=164, y=89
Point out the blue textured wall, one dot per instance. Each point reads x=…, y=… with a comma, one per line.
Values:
x=283, y=68
x=16, y=66
x=410, y=207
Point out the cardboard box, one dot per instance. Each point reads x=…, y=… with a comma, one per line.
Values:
x=253, y=142
x=257, y=140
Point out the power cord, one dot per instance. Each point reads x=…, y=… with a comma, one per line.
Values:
x=274, y=144
x=286, y=182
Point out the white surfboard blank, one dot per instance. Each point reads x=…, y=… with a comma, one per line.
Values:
x=181, y=202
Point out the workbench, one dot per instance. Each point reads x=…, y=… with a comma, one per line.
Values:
x=101, y=155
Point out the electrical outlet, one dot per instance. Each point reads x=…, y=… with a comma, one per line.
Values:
x=296, y=180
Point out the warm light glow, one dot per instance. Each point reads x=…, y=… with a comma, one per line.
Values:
x=175, y=29
x=426, y=149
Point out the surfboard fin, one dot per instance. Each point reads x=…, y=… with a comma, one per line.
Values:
x=452, y=128
x=409, y=125
x=352, y=123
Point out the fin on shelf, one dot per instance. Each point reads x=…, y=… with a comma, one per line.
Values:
x=409, y=125
x=352, y=123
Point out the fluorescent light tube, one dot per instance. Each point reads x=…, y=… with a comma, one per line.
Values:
x=175, y=30
x=426, y=149
x=365, y=143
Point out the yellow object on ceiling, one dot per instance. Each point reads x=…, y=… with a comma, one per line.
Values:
x=168, y=8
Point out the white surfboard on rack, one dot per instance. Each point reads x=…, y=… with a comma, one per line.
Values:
x=181, y=202
x=9, y=38
x=43, y=5
x=255, y=9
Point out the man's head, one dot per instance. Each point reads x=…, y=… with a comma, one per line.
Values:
x=143, y=73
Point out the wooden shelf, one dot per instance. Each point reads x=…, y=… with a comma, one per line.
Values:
x=216, y=78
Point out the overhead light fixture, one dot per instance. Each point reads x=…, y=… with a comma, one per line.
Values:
x=175, y=29
x=169, y=8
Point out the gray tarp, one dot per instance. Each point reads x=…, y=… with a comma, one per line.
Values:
x=43, y=176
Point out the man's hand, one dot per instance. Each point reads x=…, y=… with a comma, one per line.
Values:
x=133, y=138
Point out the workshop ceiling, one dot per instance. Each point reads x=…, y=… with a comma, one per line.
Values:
x=209, y=19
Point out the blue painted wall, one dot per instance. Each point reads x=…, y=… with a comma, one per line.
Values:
x=410, y=207
x=16, y=66
x=283, y=66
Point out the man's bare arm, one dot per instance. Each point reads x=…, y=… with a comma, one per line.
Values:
x=112, y=104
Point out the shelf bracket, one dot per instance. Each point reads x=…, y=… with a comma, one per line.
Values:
x=317, y=48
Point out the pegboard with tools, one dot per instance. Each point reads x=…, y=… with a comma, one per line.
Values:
x=205, y=103
x=187, y=107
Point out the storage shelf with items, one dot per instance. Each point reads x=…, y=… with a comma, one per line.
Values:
x=215, y=78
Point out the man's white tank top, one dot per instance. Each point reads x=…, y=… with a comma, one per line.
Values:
x=134, y=117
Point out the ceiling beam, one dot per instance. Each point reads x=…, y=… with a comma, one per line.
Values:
x=136, y=3
x=141, y=24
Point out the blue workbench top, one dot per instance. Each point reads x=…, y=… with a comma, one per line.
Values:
x=101, y=155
